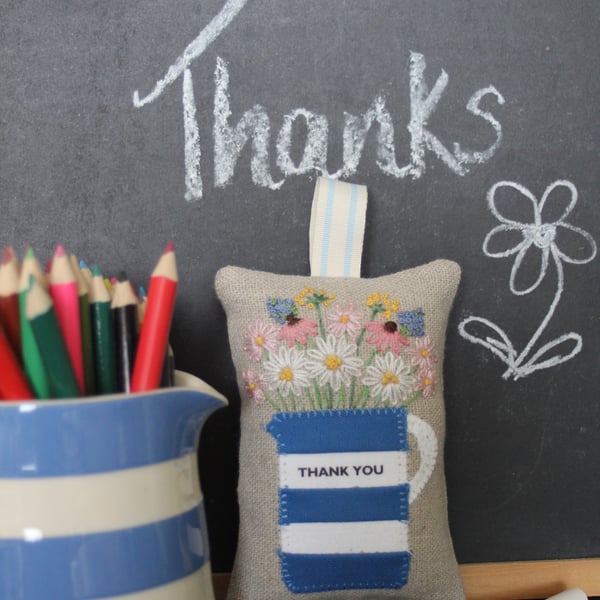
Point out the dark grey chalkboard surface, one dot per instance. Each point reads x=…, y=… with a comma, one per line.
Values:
x=126, y=124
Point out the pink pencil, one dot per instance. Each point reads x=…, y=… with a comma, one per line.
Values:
x=64, y=293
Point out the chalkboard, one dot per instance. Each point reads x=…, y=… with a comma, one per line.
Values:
x=126, y=124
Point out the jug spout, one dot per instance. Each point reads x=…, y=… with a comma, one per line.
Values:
x=207, y=398
x=184, y=410
x=210, y=396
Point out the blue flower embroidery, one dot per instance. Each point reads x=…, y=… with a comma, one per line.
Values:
x=281, y=308
x=413, y=322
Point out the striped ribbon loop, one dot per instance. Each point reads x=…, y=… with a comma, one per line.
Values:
x=337, y=228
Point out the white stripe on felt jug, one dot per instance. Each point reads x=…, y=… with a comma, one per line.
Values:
x=100, y=496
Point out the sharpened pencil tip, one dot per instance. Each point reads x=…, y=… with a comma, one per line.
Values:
x=8, y=254
x=60, y=251
x=96, y=271
x=29, y=253
x=170, y=247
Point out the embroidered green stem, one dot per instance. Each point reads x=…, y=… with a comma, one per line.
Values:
x=282, y=401
x=414, y=397
x=320, y=321
x=272, y=403
x=318, y=394
x=352, y=392
x=364, y=397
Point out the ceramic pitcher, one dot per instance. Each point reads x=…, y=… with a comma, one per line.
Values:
x=100, y=496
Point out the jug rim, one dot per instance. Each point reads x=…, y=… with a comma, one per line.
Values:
x=183, y=382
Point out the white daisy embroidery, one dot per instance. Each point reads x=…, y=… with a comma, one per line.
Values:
x=390, y=378
x=333, y=362
x=286, y=371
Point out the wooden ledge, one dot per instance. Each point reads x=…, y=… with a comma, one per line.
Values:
x=509, y=580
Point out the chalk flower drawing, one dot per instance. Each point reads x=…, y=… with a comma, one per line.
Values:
x=543, y=238
x=346, y=357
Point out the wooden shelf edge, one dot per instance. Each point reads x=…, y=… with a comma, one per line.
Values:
x=528, y=580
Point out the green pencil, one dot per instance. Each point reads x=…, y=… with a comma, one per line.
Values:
x=33, y=364
x=40, y=314
x=102, y=335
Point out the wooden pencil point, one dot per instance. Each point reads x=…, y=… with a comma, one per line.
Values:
x=59, y=251
x=8, y=254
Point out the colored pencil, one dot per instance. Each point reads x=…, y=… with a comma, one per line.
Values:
x=102, y=335
x=13, y=384
x=154, y=336
x=108, y=285
x=167, y=378
x=9, y=299
x=33, y=363
x=142, y=302
x=86, y=272
x=63, y=290
x=44, y=323
x=86, y=327
x=125, y=319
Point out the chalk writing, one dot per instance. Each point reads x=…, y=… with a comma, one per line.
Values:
x=537, y=236
x=205, y=38
x=254, y=126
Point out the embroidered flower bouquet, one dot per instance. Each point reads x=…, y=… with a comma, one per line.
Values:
x=307, y=355
x=341, y=488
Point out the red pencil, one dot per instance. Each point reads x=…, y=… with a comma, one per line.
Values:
x=9, y=299
x=154, y=337
x=64, y=293
x=13, y=385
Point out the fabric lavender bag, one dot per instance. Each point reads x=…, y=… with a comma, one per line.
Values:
x=342, y=491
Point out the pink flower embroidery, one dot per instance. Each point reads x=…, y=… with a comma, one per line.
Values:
x=254, y=386
x=386, y=335
x=422, y=355
x=426, y=383
x=260, y=336
x=297, y=330
x=344, y=318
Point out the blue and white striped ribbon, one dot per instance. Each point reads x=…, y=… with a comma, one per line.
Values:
x=337, y=228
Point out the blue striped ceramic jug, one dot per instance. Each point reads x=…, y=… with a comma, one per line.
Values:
x=100, y=496
x=344, y=496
